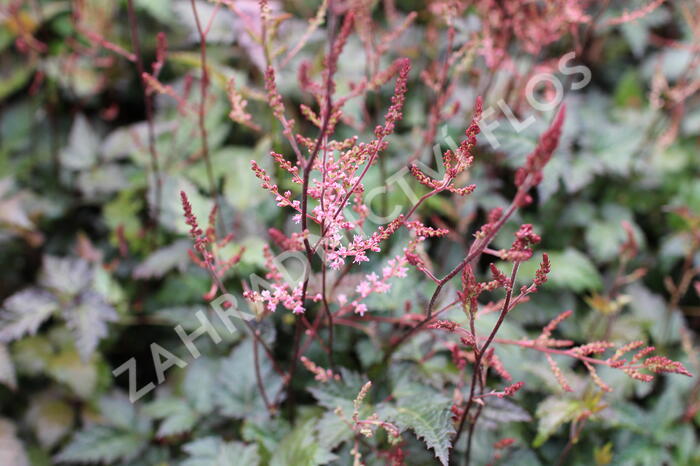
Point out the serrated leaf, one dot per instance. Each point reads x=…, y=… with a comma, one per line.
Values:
x=332, y=430
x=66, y=275
x=12, y=450
x=24, y=312
x=67, y=367
x=88, y=321
x=266, y=433
x=429, y=417
x=177, y=416
x=102, y=180
x=50, y=418
x=165, y=259
x=83, y=144
x=7, y=368
x=650, y=309
x=552, y=413
x=238, y=395
x=32, y=354
x=668, y=409
x=213, y=451
x=640, y=452
x=500, y=410
x=301, y=447
x=171, y=206
x=339, y=393
x=118, y=411
x=630, y=417
x=199, y=384
x=153, y=455
x=101, y=444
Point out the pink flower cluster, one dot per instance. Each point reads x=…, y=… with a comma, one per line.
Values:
x=337, y=180
x=280, y=291
x=373, y=283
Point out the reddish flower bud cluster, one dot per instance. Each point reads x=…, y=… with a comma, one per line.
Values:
x=554, y=323
x=320, y=374
x=521, y=250
x=531, y=172
x=207, y=244
x=238, y=111
x=661, y=364
x=494, y=362
x=542, y=271
x=504, y=443
x=455, y=162
x=395, y=112
x=510, y=390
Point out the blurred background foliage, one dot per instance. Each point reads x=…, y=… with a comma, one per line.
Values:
x=88, y=281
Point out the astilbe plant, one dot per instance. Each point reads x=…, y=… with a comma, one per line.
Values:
x=331, y=211
x=433, y=320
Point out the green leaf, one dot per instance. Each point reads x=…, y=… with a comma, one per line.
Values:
x=629, y=416
x=301, y=447
x=552, y=413
x=332, y=430
x=570, y=270
x=50, y=418
x=24, y=312
x=339, y=393
x=119, y=412
x=177, y=416
x=266, y=433
x=66, y=275
x=199, y=384
x=651, y=313
x=7, y=368
x=123, y=212
x=604, y=239
x=238, y=395
x=88, y=321
x=102, y=180
x=213, y=451
x=32, y=354
x=239, y=184
x=171, y=215
x=13, y=77
x=501, y=410
x=428, y=416
x=68, y=367
x=83, y=144
x=165, y=259
x=102, y=444
x=640, y=452
x=629, y=92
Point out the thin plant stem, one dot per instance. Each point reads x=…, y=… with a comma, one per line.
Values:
x=438, y=102
x=258, y=377
x=308, y=166
x=256, y=336
x=148, y=102
x=203, y=97
x=477, y=367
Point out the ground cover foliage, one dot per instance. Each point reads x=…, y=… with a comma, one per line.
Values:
x=361, y=232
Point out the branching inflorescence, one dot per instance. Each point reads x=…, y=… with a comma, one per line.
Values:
x=330, y=206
